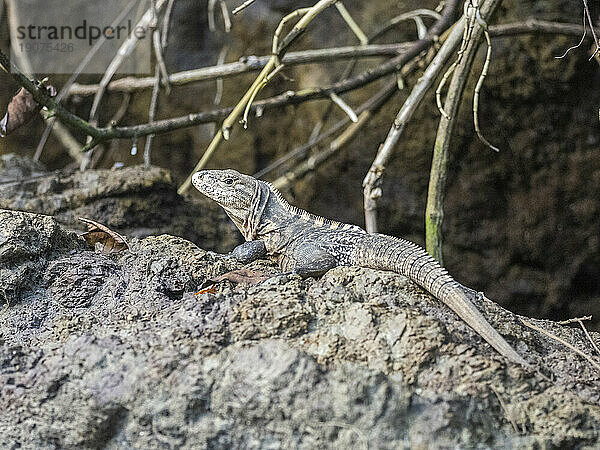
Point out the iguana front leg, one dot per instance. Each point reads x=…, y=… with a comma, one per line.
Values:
x=249, y=251
x=307, y=260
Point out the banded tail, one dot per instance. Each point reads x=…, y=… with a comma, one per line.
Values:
x=382, y=252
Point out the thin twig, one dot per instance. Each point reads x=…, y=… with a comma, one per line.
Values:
x=166, y=24
x=562, y=341
x=72, y=145
x=113, y=122
x=579, y=43
x=589, y=337
x=591, y=24
x=67, y=138
x=470, y=21
x=317, y=137
x=160, y=60
x=301, y=150
x=345, y=74
x=151, y=113
x=403, y=17
x=226, y=18
x=580, y=320
x=211, y=15
x=243, y=6
x=574, y=320
x=220, y=62
x=505, y=409
x=362, y=38
x=478, y=86
x=125, y=49
x=314, y=136
x=344, y=106
x=367, y=111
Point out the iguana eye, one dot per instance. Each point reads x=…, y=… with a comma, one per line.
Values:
x=228, y=181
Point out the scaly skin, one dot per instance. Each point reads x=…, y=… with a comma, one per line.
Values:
x=311, y=245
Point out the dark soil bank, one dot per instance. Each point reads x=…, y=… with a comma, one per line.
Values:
x=118, y=351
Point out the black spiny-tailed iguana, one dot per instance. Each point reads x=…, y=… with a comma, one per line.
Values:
x=310, y=245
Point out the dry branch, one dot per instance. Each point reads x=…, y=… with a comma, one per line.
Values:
x=243, y=105
x=243, y=6
x=253, y=63
x=434, y=212
x=562, y=341
x=366, y=112
x=125, y=49
x=245, y=65
x=66, y=138
x=352, y=23
x=371, y=183
x=402, y=53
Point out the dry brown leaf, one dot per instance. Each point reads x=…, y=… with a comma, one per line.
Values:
x=21, y=109
x=210, y=290
x=112, y=242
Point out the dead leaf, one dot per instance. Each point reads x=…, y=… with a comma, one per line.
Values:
x=210, y=290
x=112, y=242
x=21, y=109
x=243, y=276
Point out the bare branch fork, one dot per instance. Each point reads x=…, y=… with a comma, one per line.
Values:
x=473, y=18
x=372, y=181
x=315, y=136
x=365, y=112
x=591, y=23
x=243, y=6
x=434, y=212
x=72, y=145
x=271, y=69
x=146, y=21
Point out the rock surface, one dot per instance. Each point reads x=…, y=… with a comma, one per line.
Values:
x=135, y=200
x=118, y=351
x=522, y=224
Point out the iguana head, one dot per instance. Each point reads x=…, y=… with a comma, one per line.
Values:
x=235, y=192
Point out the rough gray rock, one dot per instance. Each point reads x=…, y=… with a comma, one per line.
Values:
x=135, y=200
x=119, y=352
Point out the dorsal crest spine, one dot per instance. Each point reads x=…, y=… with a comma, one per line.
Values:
x=304, y=215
